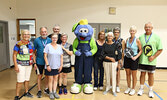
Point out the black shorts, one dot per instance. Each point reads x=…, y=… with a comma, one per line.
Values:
x=40, y=69
x=52, y=72
x=131, y=64
x=147, y=67
x=66, y=70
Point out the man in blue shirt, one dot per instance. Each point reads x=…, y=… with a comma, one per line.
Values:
x=39, y=44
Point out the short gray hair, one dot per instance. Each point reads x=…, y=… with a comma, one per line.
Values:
x=148, y=23
x=56, y=25
x=64, y=34
x=116, y=29
x=42, y=28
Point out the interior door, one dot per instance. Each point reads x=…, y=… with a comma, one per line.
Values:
x=3, y=47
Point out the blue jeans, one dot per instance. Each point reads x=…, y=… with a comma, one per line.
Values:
x=98, y=65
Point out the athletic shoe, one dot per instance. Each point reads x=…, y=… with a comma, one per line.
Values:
x=127, y=90
x=39, y=94
x=60, y=91
x=151, y=94
x=28, y=94
x=56, y=95
x=95, y=88
x=117, y=89
x=16, y=98
x=101, y=88
x=140, y=92
x=46, y=91
x=51, y=96
x=105, y=92
x=65, y=91
x=115, y=94
x=132, y=92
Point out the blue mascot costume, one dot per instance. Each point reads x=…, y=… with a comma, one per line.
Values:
x=84, y=47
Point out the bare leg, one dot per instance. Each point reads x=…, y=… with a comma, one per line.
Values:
x=50, y=83
x=128, y=77
x=142, y=78
x=46, y=81
x=60, y=79
x=134, y=72
x=65, y=79
x=55, y=78
x=18, y=88
x=26, y=85
x=118, y=76
x=39, y=82
x=151, y=79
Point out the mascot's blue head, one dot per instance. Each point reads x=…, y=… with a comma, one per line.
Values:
x=83, y=30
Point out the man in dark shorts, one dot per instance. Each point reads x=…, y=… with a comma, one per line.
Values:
x=39, y=44
x=152, y=48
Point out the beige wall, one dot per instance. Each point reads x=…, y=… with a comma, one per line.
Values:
x=68, y=12
x=9, y=15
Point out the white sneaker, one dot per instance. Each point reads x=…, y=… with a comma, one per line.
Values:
x=151, y=94
x=127, y=90
x=140, y=92
x=115, y=94
x=101, y=88
x=105, y=92
x=132, y=92
x=117, y=89
x=95, y=88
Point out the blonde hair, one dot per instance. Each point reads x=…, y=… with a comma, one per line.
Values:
x=23, y=32
x=133, y=28
x=110, y=33
x=53, y=35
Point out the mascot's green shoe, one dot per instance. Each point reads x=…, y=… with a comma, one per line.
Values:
x=88, y=89
x=75, y=88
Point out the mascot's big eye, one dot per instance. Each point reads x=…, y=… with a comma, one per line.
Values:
x=83, y=30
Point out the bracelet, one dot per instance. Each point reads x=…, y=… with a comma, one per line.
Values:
x=47, y=65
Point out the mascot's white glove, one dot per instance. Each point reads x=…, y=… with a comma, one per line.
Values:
x=88, y=53
x=78, y=52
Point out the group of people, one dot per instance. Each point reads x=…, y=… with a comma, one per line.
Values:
x=52, y=54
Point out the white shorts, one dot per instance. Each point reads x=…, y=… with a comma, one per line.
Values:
x=24, y=73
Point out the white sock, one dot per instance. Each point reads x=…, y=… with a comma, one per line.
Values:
x=141, y=86
x=54, y=91
x=151, y=88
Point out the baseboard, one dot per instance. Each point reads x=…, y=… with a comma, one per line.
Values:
x=73, y=66
x=161, y=67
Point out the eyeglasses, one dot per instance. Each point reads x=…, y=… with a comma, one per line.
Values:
x=26, y=34
x=116, y=32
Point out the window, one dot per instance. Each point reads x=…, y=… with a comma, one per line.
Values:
x=29, y=24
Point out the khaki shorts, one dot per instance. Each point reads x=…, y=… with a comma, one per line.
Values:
x=24, y=73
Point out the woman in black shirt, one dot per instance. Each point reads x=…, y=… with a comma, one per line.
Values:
x=109, y=54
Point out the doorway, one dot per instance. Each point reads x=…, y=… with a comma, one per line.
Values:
x=4, y=45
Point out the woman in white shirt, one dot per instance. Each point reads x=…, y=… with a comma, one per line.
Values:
x=53, y=55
